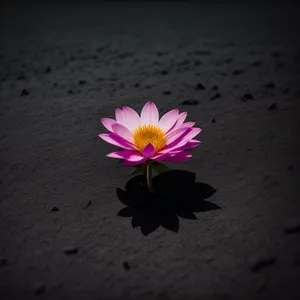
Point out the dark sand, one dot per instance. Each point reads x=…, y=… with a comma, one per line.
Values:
x=60, y=234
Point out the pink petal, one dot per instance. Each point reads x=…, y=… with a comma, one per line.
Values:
x=178, y=140
x=120, y=116
x=168, y=120
x=107, y=123
x=149, y=150
x=160, y=157
x=123, y=154
x=180, y=157
x=192, y=134
x=131, y=118
x=116, y=140
x=190, y=144
x=134, y=163
x=188, y=124
x=174, y=135
x=122, y=131
x=149, y=114
x=180, y=120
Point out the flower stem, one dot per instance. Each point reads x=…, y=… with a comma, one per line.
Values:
x=149, y=177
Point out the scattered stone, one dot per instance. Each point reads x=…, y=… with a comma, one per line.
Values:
x=197, y=63
x=200, y=86
x=137, y=85
x=21, y=77
x=238, y=72
x=215, y=88
x=100, y=49
x=82, y=82
x=213, y=120
x=88, y=204
x=54, y=208
x=70, y=92
x=260, y=261
x=47, y=70
x=202, y=52
x=55, y=84
x=228, y=60
x=183, y=63
x=70, y=250
x=292, y=225
x=216, y=96
x=3, y=262
x=166, y=93
x=126, y=265
x=273, y=106
x=159, y=53
x=198, y=74
x=148, y=87
x=190, y=102
x=24, y=92
x=256, y=63
x=164, y=72
x=247, y=97
x=270, y=85
x=39, y=289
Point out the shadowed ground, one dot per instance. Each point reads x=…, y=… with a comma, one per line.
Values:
x=65, y=232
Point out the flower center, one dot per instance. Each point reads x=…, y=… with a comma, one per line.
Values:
x=145, y=134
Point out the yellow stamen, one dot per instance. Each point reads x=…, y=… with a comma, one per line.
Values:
x=145, y=134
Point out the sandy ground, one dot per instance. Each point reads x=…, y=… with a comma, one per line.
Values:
x=63, y=67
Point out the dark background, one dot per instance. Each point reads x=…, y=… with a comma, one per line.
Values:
x=69, y=230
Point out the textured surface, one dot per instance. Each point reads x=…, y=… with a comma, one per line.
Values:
x=65, y=67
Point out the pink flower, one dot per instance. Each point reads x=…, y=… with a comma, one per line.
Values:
x=148, y=137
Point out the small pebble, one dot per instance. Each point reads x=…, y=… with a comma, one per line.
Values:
x=200, y=86
x=256, y=63
x=273, y=106
x=247, y=97
x=238, y=72
x=54, y=209
x=257, y=262
x=24, y=92
x=166, y=93
x=21, y=77
x=216, y=96
x=126, y=266
x=215, y=88
x=70, y=250
x=213, y=120
x=39, y=289
x=292, y=225
x=137, y=85
x=270, y=85
x=190, y=102
x=82, y=82
x=3, y=261
x=88, y=204
x=164, y=72
x=47, y=70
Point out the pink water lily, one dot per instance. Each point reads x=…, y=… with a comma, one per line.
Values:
x=147, y=137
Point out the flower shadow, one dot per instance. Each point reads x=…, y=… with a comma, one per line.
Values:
x=176, y=195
